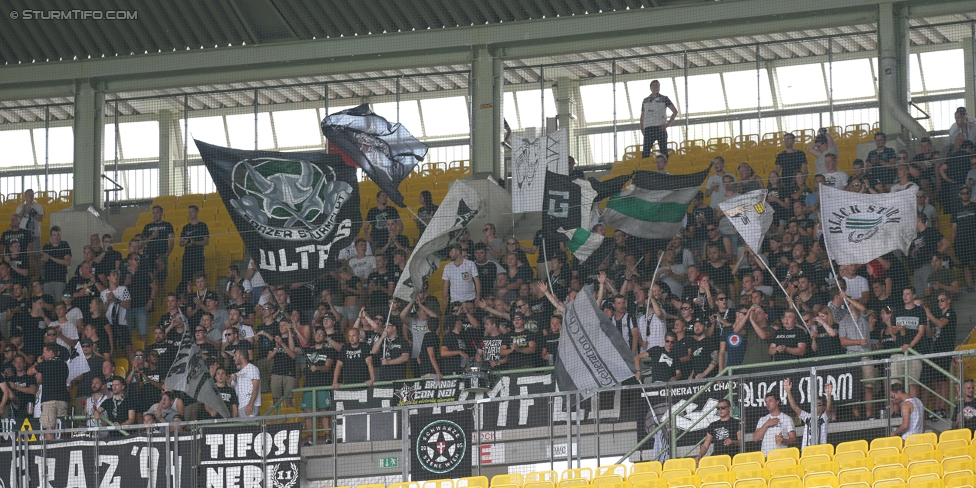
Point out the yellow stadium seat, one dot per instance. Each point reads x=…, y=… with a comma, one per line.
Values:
x=744, y=467
x=749, y=457
x=507, y=479
x=747, y=474
x=601, y=481
x=123, y=362
x=957, y=465
x=962, y=451
x=405, y=484
x=577, y=473
x=651, y=483
x=707, y=470
x=473, y=482
x=669, y=474
x=617, y=484
x=796, y=470
x=789, y=452
x=827, y=467
x=441, y=483
x=912, y=449
x=505, y=485
x=891, y=473
x=539, y=484
x=890, y=484
x=956, y=434
x=820, y=481
x=750, y=484
x=680, y=463
x=693, y=481
x=856, y=475
x=646, y=467
x=923, y=438
x=825, y=449
x=888, y=455
x=778, y=463
x=812, y=459
x=719, y=460
x=785, y=482
x=717, y=484
x=960, y=480
x=930, y=455
x=573, y=482
x=926, y=481
x=864, y=462
x=925, y=467
x=854, y=485
x=372, y=485
x=843, y=456
x=120, y=371
x=724, y=477
x=548, y=475
x=647, y=475
x=945, y=445
x=617, y=469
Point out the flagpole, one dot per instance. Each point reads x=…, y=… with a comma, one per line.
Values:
x=657, y=268
x=830, y=260
x=792, y=302
x=545, y=255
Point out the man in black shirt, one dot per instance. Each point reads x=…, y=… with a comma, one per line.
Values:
x=704, y=351
x=375, y=228
x=23, y=385
x=194, y=237
x=15, y=233
x=492, y=343
x=909, y=322
x=142, y=292
x=160, y=238
x=665, y=366
x=111, y=260
x=52, y=374
x=118, y=410
x=790, y=341
x=56, y=256
x=725, y=433
x=83, y=287
x=393, y=353
x=487, y=268
x=227, y=393
x=790, y=162
x=355, y=359
x=521, y=349
x=166, y=348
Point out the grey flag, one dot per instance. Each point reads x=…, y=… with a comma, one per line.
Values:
x=190, y=375
x=592, y=352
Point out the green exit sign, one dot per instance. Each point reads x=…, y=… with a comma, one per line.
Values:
x=390, y=462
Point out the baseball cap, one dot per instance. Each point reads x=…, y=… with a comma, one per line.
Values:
x=210, y=296
x=961, y=110
x=86, y=342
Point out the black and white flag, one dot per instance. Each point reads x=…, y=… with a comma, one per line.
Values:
x=189, y=374
x=294, y=211
x=592, y=353
x=460, y=206
x=530, y=161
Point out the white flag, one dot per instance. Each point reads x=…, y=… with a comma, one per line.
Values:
x=750, y=216
x=460, y=206
x=77, y=365
x=530, y=160
x=860, y=227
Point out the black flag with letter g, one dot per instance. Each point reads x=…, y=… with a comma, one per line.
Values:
x=294, y=211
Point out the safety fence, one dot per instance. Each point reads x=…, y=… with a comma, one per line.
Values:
x=472, y=426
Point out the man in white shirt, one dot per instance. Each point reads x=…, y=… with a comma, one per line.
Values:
x=964, y=125
x=775, y=430
x=858, y=287
x=824, y=405
x=823, y=145
x=31, y=214
x=247, y=384
x=834, y=178
x=714, y=183
x=654, y=121
x=461, y=283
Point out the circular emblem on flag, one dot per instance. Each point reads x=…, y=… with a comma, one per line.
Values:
x=734, y=340
x=441, y=446
x=861, y=224
x=276, y=194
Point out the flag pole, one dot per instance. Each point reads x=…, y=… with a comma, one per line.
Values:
x=799, y=315
x=657, y=268
x=545, y=255
x=830, y=260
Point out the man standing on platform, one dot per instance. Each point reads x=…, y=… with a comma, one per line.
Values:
x=654, y=120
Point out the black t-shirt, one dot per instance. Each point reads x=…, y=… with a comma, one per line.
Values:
x=430, y=341
x=720, y=277
x=664, y=365
x=54, y=375
x=54, y=272
x=393, y=349
x=140, y=289
x=925, y=246
x=944, y=339
x=452, y=365
x=353, y=360
x=22, y=235
x=883, y=175
x=790, y=338
x=826, y=345
x=118, y=410
x=108, y=263
x=167, y=353
x=964, y=216
x=550, y=342
x=229, y=355
x=722, y=430
x=491, y=347
x=519, y=359
x=76, y=284
x=911, y=319
x=283, y=364
x=24, y=398
x=318, y=356
x=158, y=246
x=791, y=163
x=229, y=395
x=701, y=354
x=195, y=233
x=377, y=219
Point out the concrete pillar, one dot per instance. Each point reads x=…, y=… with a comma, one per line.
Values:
x=565, y=91
x=89, y=123
x=487, y=116
x=170, y=149
x=969, y=70
x=893, y=52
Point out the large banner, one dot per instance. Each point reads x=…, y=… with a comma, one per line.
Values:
x=440, y=445
x=137, y=460
x=530, y=161
x=249, y=456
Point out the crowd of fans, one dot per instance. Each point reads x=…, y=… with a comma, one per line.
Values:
x=710, y=306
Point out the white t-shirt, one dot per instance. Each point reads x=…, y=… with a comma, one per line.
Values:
x=362, y=267
x=717, y=180
x=821, y=423
x=820, y=164
x=897, y=187
x=69, y=329
x=837, y=179
x=349, y=251
x=784, y=428
x=115, y=313
x=244, y=387
x=654, y=108
x=461, y=280
x=652, y=330
x=256, y=280
x=856, y=286
x=34, y=224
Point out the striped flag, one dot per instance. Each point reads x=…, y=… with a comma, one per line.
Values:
x=584, y=244
x=750, y=216
x=592, y=353
x=654, y=205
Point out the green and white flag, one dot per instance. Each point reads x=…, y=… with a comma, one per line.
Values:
x=654, y=205
x=860, y=227
x=583, y=243
x=750, y=216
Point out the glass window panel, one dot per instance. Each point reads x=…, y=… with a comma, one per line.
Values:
x=942, y=113
x=17, y=148
x=741, y=89
x=240, y=128
x=409, y=115
x=943, y=70
x=530, y=110
x=139, y=139
x=62, y=145
x=705, y=94
x=508, y=110
x=598, y=102
x=140, y=184
x=209, y=130
x=447, y=154
x=853, y=80
x=768, y=124
x=445, y=116
x=801, y=84
x=297, y=128
x=679, y=94
x=915, y=72
x=601, y=148
x=200, y=180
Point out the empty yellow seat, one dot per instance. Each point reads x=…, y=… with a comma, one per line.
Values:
x=647, y=467
x=795, y=470
x=726, y=477
x=473, y=482
x=956, y=434
x=890, y=473
x=959, y=480
x=856, y=475
x=680, y=463
x=601, y=481
x=785, y=482
x=749, y=457
x=863, y=462
x=750, y=484
x=825, y=449
x=789, y=453
x=923, y=438
x=685, y=481
x=820, y=481
x=507, y=479
x=669, y=474
x=539, y=484
x=651, y=483
x=720, y=460
x=778, y=463
x=719, y=484
x=704, y=471
x=577, y=473
x=617, y=469
x=959, y=464
x=548, y=475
